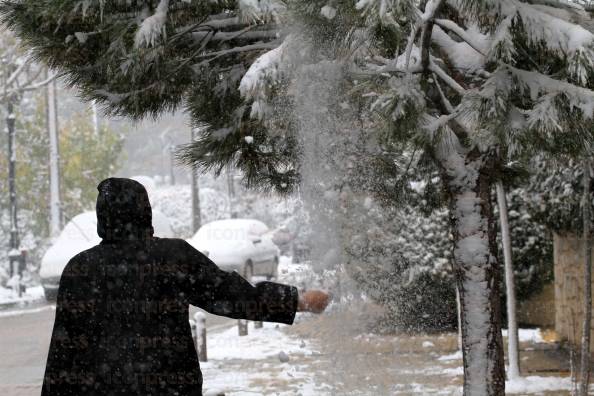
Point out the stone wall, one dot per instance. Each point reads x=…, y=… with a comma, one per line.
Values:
x=568, y=253
x=538, y=310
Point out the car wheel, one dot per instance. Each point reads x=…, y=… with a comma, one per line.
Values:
x=248, y=270
x=274, y=273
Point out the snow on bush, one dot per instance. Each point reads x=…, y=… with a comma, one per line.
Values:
x=554, y=194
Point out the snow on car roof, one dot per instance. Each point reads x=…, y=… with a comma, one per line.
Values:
x=235, y=228
x=79, y=234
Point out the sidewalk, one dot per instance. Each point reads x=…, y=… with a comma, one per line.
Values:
x=335, y=354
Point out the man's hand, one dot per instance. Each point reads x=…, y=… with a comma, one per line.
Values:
x=313, y=301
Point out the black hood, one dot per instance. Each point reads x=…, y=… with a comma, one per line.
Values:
x=123, y=210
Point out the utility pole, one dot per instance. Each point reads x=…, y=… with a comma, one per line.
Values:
x=54, y=160
x=196, y=218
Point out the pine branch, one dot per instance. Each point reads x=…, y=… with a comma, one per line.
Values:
x=460, y=32
x=246, y=48
x=244, y=34
x=446, y=78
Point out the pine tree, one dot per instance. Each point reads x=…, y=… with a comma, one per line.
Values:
x=141, y=58
x=467, y=84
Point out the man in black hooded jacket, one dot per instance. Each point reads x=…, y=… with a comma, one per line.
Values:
x=121, y=324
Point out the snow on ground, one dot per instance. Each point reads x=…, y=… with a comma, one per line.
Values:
x=328, y=354
x=397, y=364
x=9, y=297
x=527, y=335
x=257, y=345
x=536, y=384
x=452, y=356
x=251, y=365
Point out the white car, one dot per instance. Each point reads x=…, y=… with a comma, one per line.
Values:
x=242, y=245
x=81, y=234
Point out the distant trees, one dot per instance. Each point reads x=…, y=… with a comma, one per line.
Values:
x=85, y=158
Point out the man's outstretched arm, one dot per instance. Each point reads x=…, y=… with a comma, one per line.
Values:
x=228, y=294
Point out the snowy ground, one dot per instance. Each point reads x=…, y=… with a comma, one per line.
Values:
x=9, y=297
x=266, y=361
x=290, y=360
x=334, y=354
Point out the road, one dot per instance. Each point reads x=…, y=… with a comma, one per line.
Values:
x=24, y=340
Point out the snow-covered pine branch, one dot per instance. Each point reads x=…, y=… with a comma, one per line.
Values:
x=261, y=11
x=152, y=27
x=546, y=26
x=256, y=82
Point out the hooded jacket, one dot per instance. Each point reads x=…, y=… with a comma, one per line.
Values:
x=121, y=324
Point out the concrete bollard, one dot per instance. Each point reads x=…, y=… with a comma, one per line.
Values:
x=242, y=327
x=200, y=336
x=257, y=324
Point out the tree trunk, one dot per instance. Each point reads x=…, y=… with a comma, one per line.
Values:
x=14, y=228
x=231, y=192
x=587, y=323
x=513, y=370
x=54, y=160
x=196, y=218
x=468, y=179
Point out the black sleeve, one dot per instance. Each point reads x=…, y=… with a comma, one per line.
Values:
x=228, y=294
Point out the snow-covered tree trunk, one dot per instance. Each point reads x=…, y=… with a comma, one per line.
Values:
x=513, y=370
x=468, y=179
x=54, y=160
x=587, y=321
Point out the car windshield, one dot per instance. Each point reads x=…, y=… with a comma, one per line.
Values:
x=81, y=228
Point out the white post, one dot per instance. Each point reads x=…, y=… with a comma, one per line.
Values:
x=587, y=303
x=512, y=325
x=459, y=314
x=200, y=320
x=242, y=327
x=54, y=160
